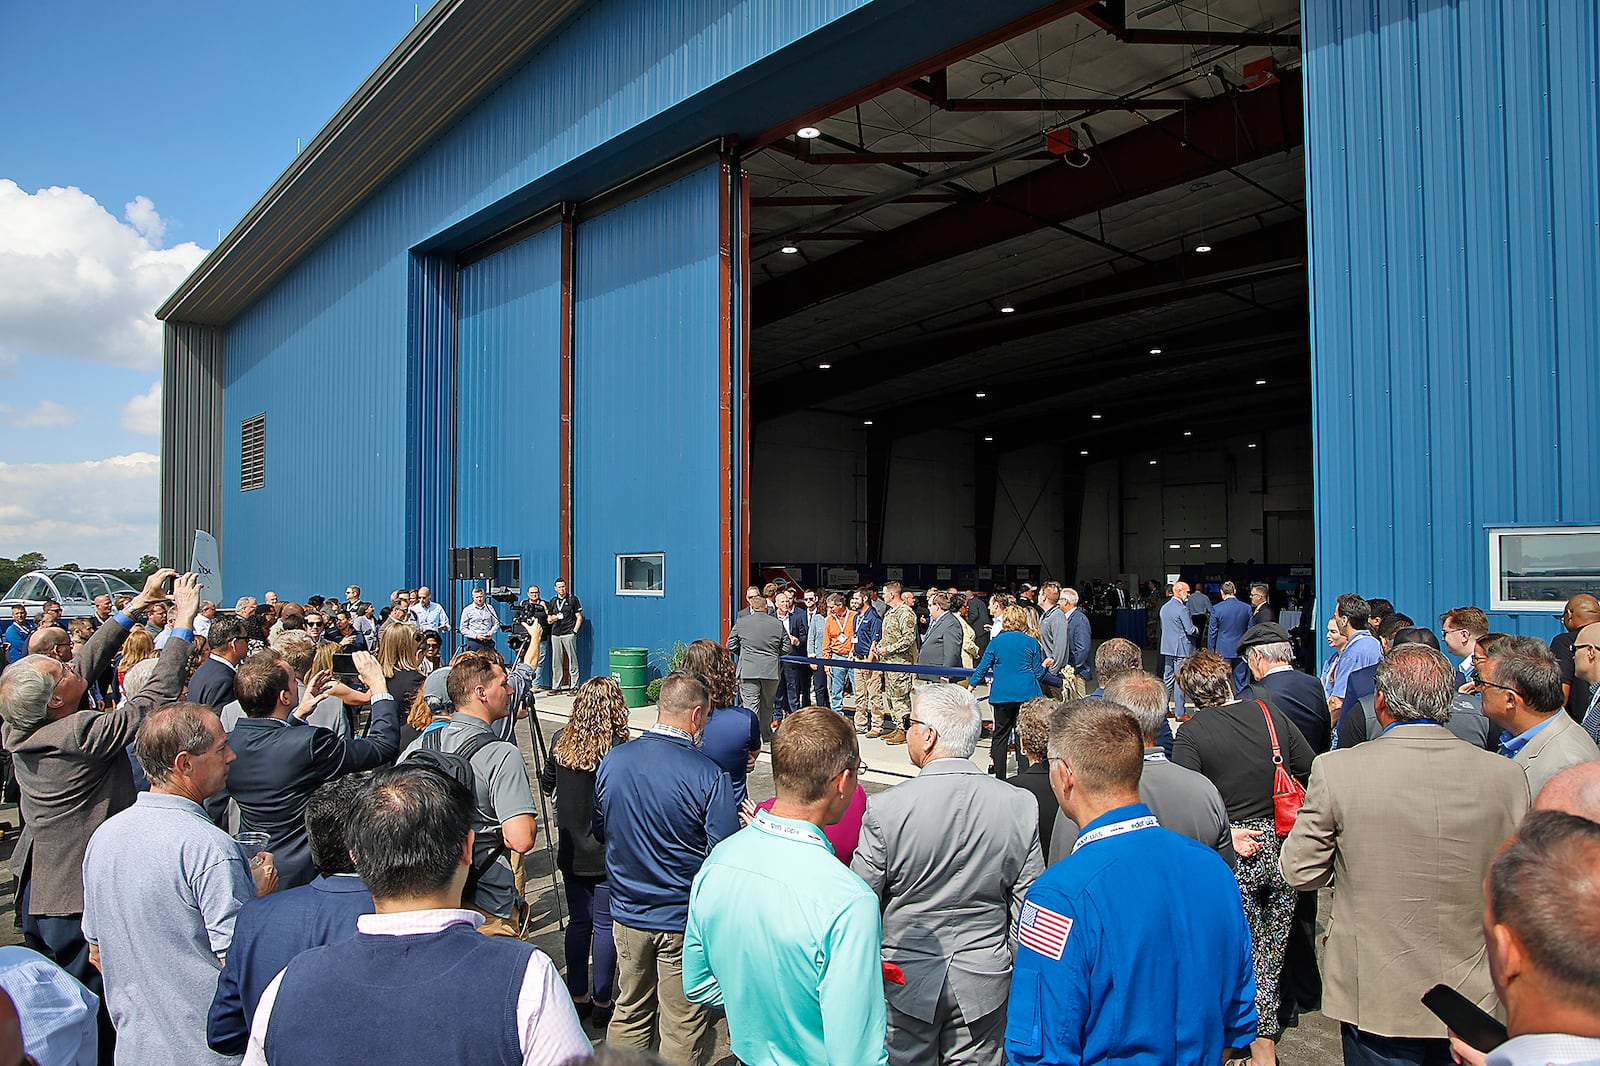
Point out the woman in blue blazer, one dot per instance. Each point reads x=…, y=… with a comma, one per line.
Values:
x=1018, y=664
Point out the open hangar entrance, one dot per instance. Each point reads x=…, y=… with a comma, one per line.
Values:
x=1042, y=310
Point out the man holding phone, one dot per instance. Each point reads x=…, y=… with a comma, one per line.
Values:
x=1539, y=901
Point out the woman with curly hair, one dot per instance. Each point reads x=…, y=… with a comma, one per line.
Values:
x=1230, y=742
x=732, y=734
x=599, y=721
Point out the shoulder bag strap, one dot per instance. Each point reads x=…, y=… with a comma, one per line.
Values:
x=1277, y=755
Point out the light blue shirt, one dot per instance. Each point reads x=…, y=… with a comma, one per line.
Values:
x=57, y=1013
x=480, y=623
x=430, y=617
x=785, y=938
x=1362, y=651
x=1511, y=745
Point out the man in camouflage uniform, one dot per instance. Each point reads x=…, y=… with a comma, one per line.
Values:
x=897, y=645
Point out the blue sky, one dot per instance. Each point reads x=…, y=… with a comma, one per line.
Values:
x=171, y=118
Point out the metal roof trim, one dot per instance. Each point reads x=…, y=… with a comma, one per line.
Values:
x=456, y=51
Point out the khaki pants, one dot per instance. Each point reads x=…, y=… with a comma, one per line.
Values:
x=869, y=697
x=650, y=999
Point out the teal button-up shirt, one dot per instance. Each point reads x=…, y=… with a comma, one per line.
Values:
x=788, y=941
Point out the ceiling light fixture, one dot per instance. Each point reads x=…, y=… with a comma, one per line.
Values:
x=1084, y=452
x=824, y=366
x=1261, y=381
x=808, y=132
x=980, y=395
x=1215, y=545
x=1174, y=545
x=788, y=249
x=1095, y=417
x=988, y=438
x=866, y=422
x=1152, y=462
x=1155, y=351
x=1202, y=248
x=1252, y=444
x=1188, y=433
x=1006, y=309
x=1194, y=545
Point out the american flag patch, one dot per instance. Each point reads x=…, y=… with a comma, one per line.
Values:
x=1043, y=930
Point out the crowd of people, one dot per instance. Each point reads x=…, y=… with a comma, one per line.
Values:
x=239, y=847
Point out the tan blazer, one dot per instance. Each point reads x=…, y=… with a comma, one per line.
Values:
x=1404, y=827
x=1560, y=744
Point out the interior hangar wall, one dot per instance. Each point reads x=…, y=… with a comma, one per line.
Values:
x=1454, y=189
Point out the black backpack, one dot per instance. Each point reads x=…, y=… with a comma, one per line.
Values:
x=487, y=845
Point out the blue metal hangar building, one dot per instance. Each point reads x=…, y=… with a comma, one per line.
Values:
x=654, y=294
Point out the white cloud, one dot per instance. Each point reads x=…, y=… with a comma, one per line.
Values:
x=75, y=281
x=98, y=513
x=46, y=414
x=141, y=212
x=142, y=414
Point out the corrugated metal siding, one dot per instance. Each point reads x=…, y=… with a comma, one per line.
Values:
x=1454, y=184
x=646, y=436
x=191, y=438
x=509, y=374
x=326, y=353
x=431, y=411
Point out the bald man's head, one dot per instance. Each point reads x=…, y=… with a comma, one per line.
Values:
x=1581, y=610
x=1586, y=653
x=1575, y=790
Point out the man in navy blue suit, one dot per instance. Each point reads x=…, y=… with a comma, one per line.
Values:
x=271, y=930
x=1229, y=619
x=281, y=760
x=212, y=683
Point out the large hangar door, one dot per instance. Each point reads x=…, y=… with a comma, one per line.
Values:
x=652, y=366
x=508, y=389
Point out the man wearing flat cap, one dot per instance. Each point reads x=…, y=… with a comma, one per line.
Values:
x=1269, y=655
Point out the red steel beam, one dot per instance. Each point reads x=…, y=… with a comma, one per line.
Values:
x=1028, y=23
x=1195, y=143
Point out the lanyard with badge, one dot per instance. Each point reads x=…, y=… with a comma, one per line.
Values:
x=767, y=824
x=1115, y=829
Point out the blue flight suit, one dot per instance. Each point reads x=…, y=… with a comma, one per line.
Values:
x=1106, y=972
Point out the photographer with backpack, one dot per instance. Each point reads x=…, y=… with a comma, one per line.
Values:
x=503, y=805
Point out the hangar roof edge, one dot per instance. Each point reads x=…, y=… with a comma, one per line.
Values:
x=456, y=50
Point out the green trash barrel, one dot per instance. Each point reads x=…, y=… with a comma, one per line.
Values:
x=629, y=667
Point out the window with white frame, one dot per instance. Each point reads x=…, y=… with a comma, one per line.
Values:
x=1539, y=568
x=641, y=574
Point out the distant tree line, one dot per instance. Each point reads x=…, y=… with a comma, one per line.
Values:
x=11, y=569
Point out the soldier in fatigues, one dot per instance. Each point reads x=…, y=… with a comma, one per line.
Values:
x=897, y=645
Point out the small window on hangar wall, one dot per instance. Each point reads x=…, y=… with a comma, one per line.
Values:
x=641, y=574
x=253, y=453
x=1538, y=568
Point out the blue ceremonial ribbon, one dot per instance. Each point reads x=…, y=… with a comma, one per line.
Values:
x=893, y=668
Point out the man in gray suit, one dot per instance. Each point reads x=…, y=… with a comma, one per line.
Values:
x=1177, y=641
x=951, y=853
x=1182, y=800
x=759, y=639
x=1521, y=687
x=1407, y=825
x=942, y=645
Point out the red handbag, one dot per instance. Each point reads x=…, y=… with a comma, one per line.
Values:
x=1288, y=795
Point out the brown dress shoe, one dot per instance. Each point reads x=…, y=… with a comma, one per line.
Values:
x=873, y=734
x=896, y=737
